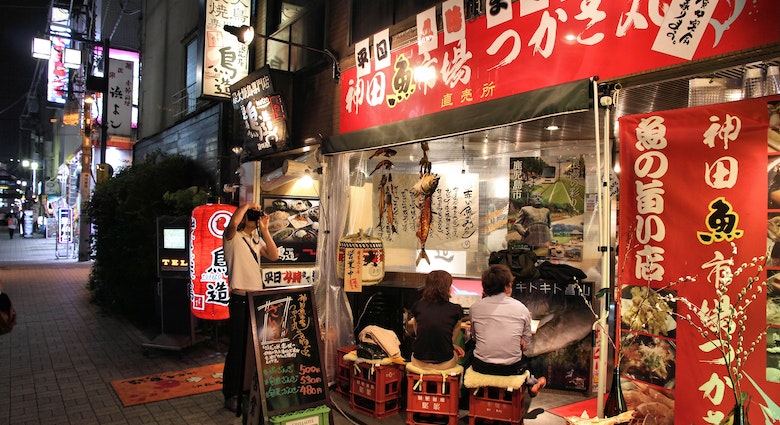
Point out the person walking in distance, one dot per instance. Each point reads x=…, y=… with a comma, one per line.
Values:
x=13, y=223
x=244, y=241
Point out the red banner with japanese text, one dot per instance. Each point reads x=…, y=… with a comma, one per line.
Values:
x=209, y=289
x=692, y=240
x=519, y=46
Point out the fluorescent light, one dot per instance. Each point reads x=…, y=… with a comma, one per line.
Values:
x=552, y=127
x=72, y=58
x=41, y=48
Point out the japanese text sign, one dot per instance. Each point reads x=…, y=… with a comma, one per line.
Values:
x=693, y=208
x=526, y=45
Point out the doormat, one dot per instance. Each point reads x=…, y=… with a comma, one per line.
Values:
x=579, y=409
x=165, y=386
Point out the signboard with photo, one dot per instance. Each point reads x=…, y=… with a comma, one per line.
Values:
x=294, y=225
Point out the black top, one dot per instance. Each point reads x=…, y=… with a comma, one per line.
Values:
x=435, y=325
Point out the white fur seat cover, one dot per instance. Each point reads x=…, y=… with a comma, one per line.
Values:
x=455, y=370
x=474, y=379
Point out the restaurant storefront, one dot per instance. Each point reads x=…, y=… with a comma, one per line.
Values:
x=476, y=145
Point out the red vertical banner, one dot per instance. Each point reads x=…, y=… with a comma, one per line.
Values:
x=692, y=238
x=209, y=289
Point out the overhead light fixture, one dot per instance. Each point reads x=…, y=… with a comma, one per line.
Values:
x=552, y=127
x=72, y=58
x=41, y=48
x=89, y=99
x=245, y=34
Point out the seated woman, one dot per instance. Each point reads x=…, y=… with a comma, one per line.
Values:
x=436, y=324
x=501, y=326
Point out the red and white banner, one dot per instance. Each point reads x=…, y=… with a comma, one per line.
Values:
x=545, y=43
x=693, y=211
x=209, y=290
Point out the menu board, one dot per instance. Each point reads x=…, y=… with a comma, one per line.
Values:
x=288, y=357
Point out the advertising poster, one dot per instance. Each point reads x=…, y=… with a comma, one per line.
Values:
x=691, y=258
x=546, y=205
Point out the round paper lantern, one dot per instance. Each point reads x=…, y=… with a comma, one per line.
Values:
x=209, y=289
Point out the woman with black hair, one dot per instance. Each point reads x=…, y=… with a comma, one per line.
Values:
x=436, y=323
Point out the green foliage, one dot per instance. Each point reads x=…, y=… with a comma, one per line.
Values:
x=124, y=212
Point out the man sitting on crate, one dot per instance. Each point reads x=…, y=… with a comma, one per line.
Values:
x=501, y=327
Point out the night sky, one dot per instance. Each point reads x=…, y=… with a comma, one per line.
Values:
x=20, y=20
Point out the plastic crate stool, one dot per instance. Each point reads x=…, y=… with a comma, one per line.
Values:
x=432, y=395
x=375, y=385
x=344, y=369
x=496, y=398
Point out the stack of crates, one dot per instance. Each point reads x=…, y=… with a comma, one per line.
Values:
x=432, y=398
x=497, y=404
x=343, y=369
x=375, y=388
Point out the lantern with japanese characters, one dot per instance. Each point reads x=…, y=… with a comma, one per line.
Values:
x=209, y=289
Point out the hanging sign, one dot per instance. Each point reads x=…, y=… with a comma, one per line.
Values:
x=225, y=59
x=120, y=97
x=210, y=292
x=693, y=232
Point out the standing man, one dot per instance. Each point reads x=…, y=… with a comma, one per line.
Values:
x=244, y=241
x=501, y=326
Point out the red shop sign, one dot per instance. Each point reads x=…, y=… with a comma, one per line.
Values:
x=543, y=44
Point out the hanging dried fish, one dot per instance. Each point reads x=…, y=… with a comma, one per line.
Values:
x=386, y=164
x=424, y=190
x=425, y=163
x=381, y=201
x=389, y=203
x=386, y=152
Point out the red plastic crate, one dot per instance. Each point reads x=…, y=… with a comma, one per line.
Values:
x=434, y=400
x=375, y=389
x=497, y=404
x=343, y=369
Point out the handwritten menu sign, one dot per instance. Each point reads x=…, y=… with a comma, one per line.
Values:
x=288, y=357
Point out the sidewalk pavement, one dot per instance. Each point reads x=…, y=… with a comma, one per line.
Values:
x=57, y=365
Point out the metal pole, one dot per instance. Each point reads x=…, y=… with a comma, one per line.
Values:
x=85, y=237
x=104, y=110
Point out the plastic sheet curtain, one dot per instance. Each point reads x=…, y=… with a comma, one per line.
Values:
x=332, y=306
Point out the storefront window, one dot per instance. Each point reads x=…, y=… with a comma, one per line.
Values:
x=473, y=200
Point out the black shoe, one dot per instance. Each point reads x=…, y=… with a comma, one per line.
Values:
x=231, y=403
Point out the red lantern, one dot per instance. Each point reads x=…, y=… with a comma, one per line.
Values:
x=210, y=291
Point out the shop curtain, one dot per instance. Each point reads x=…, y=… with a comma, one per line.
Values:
x=334, y=311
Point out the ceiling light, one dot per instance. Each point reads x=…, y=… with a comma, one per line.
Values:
x=552, y=127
